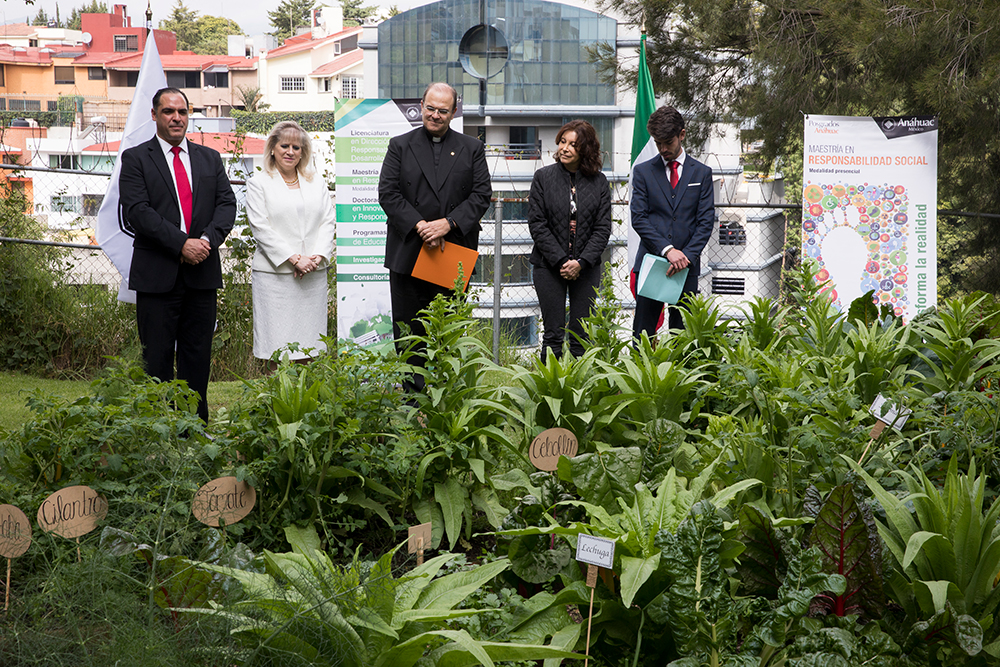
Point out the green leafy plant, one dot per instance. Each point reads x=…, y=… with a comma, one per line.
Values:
x=304, y=609
x=456, y=424
x=946, y=551
x=319, y=446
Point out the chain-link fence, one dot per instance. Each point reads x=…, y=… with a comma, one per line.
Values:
x=751, y=246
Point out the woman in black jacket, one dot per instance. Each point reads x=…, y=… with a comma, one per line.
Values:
x=569, y=215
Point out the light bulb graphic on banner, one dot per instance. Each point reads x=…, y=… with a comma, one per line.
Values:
x=857, y=234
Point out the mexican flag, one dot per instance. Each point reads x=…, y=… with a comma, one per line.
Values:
x=643, y=147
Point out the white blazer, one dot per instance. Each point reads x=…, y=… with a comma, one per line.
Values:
x=276, y=226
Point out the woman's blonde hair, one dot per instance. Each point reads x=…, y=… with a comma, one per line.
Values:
x=304, y=167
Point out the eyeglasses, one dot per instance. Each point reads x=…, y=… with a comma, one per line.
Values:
x=433, y=110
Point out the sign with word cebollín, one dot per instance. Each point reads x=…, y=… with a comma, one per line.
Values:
x=549, y=445
x=223, y=501
x=72, y=512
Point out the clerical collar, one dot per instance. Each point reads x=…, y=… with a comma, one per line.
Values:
x=433, y=138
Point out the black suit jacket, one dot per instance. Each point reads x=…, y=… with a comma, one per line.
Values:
x=410, y=189
x=149, y=200
x=683, y=217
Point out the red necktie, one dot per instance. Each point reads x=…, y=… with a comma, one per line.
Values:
x=183, y=187
x=673, y=173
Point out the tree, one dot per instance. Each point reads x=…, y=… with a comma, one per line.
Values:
x=290, y=15
x=770, y=61
x=355, y=13
x=213, y=33
x=76, y=15
x=41, y=18
x=184, y=23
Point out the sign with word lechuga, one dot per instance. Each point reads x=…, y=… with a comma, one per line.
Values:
x=223, y=501
x=72, y=512
x=549, y=445
x=595, y=550
x=15, y=532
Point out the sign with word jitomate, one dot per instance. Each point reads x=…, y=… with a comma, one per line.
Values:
x=72, y=512
x=550, y=444
x=15, y=532
x=224, y=500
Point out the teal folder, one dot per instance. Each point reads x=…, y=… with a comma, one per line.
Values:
x=654, y=283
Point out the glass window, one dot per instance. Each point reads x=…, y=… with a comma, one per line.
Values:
x=184, y=79
x=293, y=84
x=217, y=79
x=3, y=80
x=97, y=73
x=25, y=105
x=65, y=204
x=533, y=52
x=65, y=75
x=92, y=204
x=349, y=87
x=64, y=162
x=126, y=43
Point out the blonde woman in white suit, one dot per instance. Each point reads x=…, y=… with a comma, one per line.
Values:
x=292, y=218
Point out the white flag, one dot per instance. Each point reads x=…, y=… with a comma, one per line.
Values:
x=113, y=231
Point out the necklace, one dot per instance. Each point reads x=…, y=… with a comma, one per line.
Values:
x=290, y=183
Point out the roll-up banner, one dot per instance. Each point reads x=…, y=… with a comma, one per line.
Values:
x=869, y=208
x=362, y=129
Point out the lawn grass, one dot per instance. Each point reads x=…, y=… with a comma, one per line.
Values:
x=15, y=388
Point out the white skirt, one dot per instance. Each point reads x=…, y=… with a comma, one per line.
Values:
x=287, y=310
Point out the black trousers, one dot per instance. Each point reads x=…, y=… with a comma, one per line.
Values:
x=409, y=296
x=647, y=315
x=179, y=322
x=552, y=290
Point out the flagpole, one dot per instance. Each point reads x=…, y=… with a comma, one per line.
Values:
x=643, y=147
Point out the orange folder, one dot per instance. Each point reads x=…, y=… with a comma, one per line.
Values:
x=441, y=266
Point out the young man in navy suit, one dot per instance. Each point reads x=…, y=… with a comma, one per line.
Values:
x=673, y=212
x=176, y=197
x=434, y=189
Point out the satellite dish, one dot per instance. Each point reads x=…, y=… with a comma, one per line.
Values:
x=86, y=38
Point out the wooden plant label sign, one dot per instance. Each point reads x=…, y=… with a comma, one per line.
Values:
x=892, y=413
x=224, y=500
x=419, y=538
x=593, y=550
x=550, y=444
x=72, y=512
x=15, y=532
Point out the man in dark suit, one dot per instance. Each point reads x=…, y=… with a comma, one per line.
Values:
x=673, y=212
x=177, y=198
x=434, y=189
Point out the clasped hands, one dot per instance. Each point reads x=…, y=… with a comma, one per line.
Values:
x=195, y=251
x=678, y=261
x=432, y=232
x=304, y=264
x=570, y=270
